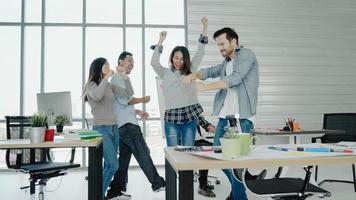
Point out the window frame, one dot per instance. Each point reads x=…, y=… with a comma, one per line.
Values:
x=43, y=25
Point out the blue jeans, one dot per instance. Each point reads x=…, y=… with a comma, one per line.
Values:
x=110, y=136
x=238, y=189
x=182, y=134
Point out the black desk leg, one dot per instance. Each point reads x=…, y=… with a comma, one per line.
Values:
x=95, y=173
x=186, y=186
x=171, y=182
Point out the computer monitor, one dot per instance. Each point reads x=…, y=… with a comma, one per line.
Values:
x=53, y=104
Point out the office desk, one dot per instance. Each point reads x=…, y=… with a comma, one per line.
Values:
x=183, y=164
x=95, y=158
x=294, y=136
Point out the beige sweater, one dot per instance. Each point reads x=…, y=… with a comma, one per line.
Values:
x=101, y=99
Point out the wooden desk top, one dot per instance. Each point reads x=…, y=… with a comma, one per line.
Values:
x=300, y=132
x=185, y=161
x=25, y=144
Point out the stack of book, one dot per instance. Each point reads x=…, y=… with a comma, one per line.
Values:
x=88, y=134
x=81, y=135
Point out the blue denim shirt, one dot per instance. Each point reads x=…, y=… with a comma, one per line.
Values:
x=244, y=78
x=124, y=112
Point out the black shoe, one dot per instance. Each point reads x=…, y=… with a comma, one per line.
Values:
x=229, y=197
x=206, y=191
x=160, y=188
x=211, y=187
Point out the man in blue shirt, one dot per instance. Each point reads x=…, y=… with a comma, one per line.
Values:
x=131, y=138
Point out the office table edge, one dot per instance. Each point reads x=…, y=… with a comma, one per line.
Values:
x=276, y=132
x=206, y=163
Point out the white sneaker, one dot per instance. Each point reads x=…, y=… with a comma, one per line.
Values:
x=121, y=197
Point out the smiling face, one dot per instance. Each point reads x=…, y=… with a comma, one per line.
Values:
x=127, y=63
x=226, y=47
x=178, y=60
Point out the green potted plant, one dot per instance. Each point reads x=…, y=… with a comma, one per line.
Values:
x=60, y=121
x=38, y=126
x=231, y=144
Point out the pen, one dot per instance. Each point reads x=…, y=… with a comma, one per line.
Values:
x=342, y=150
x=314, y=149
x=323, y=149
x=278, y=148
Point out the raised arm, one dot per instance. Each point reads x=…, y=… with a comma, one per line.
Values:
x=124, y=92
x=96, y=92
x=157, y=67
x=203, y=40
x=118, y=88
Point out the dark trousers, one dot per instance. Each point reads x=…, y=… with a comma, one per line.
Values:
x=132, y=142
x=203, y=174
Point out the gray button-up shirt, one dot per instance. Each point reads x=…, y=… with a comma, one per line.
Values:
x=244, y=79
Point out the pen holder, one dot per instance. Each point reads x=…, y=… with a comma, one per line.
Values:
x=287, y=127
x=295, y=126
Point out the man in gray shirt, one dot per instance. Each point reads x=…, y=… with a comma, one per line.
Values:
x=237, y=91
x=131, y=138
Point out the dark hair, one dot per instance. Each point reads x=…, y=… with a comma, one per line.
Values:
x=95, y=73
x=123, y=55
x=230, y=34
x=186, y=59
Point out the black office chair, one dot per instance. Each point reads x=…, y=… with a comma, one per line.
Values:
x=285, y=188
x=36, y=162
x=338, y=121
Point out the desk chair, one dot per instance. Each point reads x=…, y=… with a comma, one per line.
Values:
x=285, y=188
x=35, y=162
x=338, y=121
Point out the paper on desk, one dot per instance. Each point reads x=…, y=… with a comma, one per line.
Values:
x=351, y=145
x=208, y=154
x=262, y=152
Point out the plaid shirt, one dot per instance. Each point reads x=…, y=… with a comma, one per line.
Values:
x=184, y=114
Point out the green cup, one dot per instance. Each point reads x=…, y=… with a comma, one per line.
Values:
x=230, y=148
x=246, y=140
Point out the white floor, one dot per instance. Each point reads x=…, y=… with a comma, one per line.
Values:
x=74, y=186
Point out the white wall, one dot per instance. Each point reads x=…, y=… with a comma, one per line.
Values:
x=306, y=51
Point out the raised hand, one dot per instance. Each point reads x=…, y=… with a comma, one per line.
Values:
x=122, y=71
x=107, y=72
x=162, y=37
x=204, y=21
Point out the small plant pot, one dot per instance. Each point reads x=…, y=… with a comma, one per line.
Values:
x=231, y=148
x=59, y=129
x=37, y=134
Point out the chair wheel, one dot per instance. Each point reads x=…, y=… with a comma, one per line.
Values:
x=217, y=182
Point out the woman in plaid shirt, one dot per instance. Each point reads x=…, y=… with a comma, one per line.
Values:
x=182, y=108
